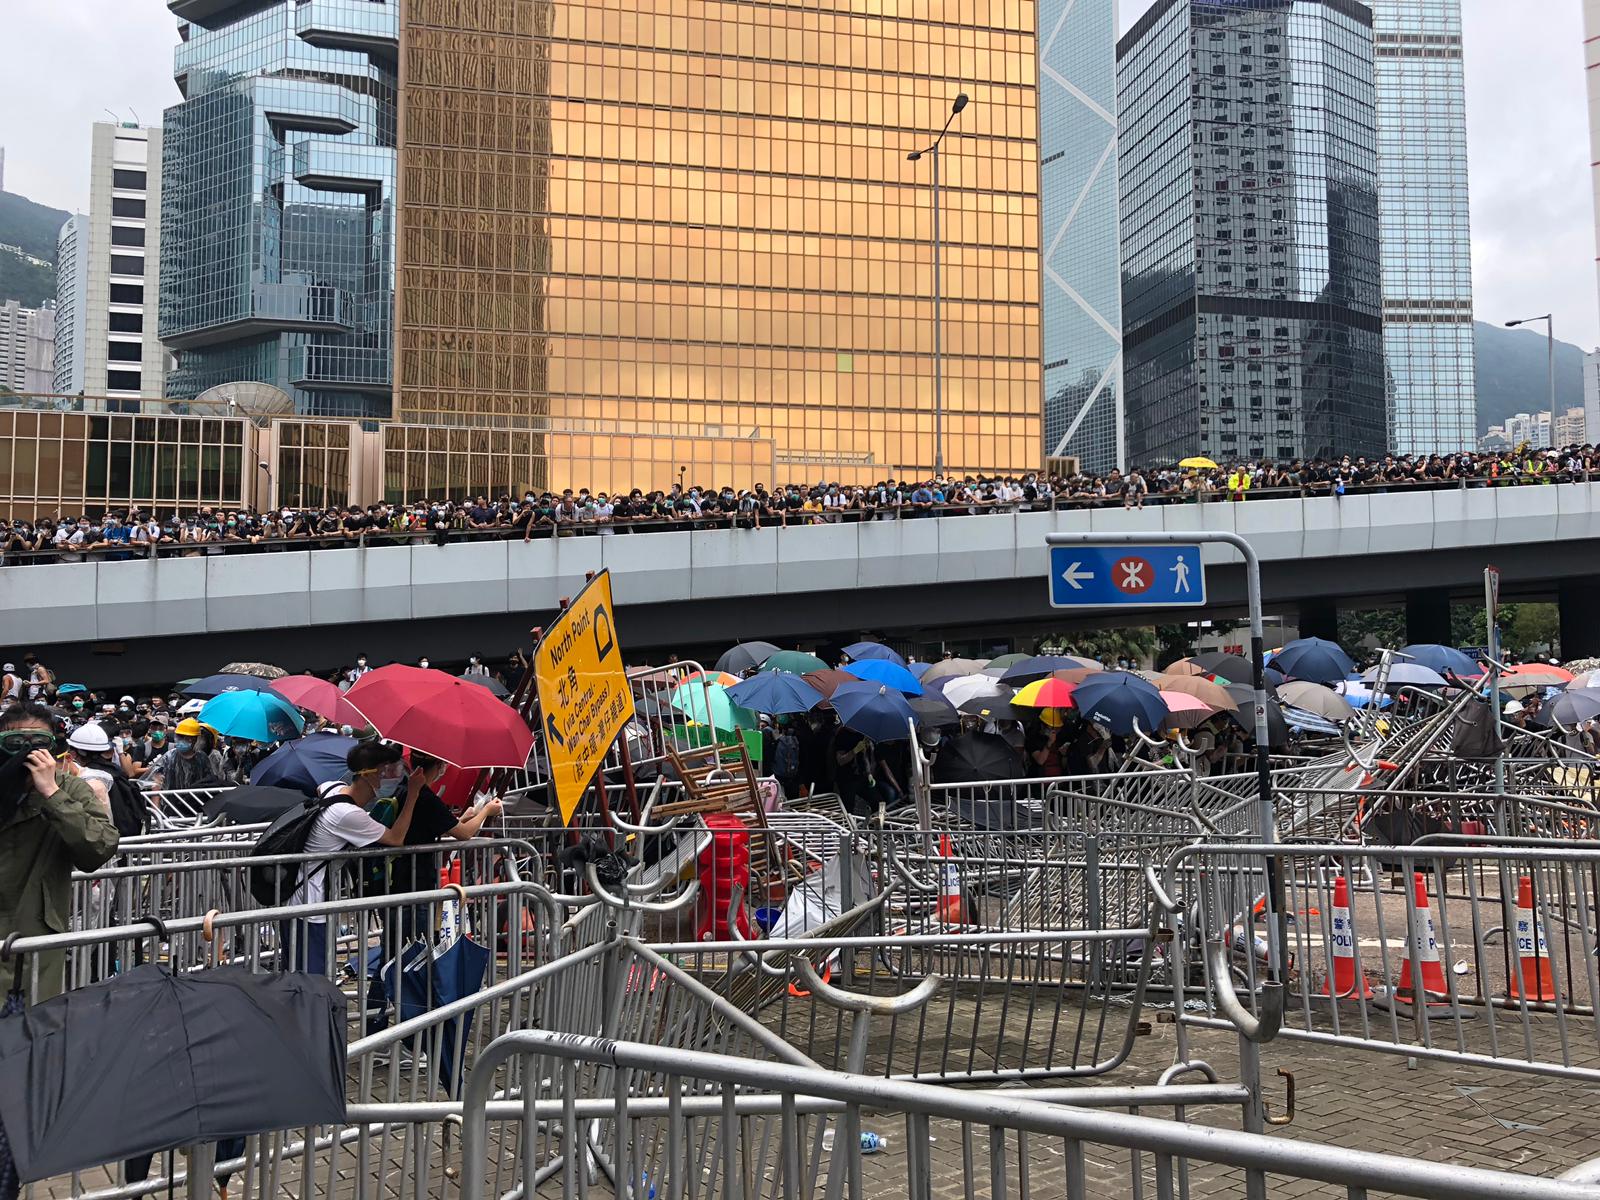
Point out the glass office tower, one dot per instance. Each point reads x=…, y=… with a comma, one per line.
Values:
x=1427, y=236
x=1252, y=316
x=695, y=221
x=1083, y=414
x=278, y=201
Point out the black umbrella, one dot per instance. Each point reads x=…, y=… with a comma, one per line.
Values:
x=977, y=758
x=496, y=688
x=746, y=656
x=176, y=1059
x=1245, y=716
x=933, y=711
x=253, y=803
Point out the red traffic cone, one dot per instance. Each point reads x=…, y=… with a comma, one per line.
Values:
x=1346, y=984
x=1533, y=979
x=952, y=909
x=1426, y=949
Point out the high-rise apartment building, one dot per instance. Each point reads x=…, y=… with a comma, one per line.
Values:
x=72, y=306
x=1082, y=318
x=14, y=345
x=1591, y=395
x=278, y=203
x=1251, y=295
x=635, y=238
x=1425, y=223
x=1570, y=428
x=39, y=354
x=1591, y=51
x=108, y=276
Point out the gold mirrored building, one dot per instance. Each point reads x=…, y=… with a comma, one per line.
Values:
x=634, y=233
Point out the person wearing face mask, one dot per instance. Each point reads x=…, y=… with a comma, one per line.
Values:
x=187, y=764
x=50, y=825
x=356, y=672
x=475, y=668
x=423, y=663
x=377, y=771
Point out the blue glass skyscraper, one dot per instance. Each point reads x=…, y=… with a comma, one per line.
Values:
x=1251, y=295
x=1082, y=317
x=277, y=216
x=1427, y=236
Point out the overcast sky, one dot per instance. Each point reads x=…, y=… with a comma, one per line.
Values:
x=1527, y=125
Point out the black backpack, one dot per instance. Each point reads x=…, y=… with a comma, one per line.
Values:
x=130, y=807
x=272, y=884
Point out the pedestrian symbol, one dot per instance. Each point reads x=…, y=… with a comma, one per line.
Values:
x=1094, y=576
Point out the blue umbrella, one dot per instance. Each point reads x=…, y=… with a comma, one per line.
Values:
x=66, y=689
x=919, y=669
x=873, y=710
x=305, y=763
x=1316, y=659
x=1443, y=659
x=775, y=692
x=1116, y=699
x=881, y=670
x=216, y=685
x=254, y=716
x=873, y=651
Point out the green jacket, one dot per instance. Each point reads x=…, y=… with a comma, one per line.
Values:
x=40, y=846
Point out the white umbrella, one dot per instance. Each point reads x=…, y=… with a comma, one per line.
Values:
x=974, y=687
x=1400, y=673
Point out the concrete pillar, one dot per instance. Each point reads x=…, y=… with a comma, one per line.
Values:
x=1428, y=616
x=1319, y=618
x=1579, y=602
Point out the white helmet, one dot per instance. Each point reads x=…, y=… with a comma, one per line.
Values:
x=90, y=738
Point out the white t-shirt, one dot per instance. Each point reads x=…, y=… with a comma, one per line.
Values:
x=345, y=825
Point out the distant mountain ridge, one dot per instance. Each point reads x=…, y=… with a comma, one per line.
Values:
x=32, y=229
x=1511, y=367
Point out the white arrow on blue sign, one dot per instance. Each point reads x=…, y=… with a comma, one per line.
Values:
x=1126, y=577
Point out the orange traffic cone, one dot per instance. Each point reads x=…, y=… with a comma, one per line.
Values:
x=952, y=908
x=1424, y=943
x=1346, y=984
x=1533, y=980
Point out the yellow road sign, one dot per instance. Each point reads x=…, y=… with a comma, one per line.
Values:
x=584, y=699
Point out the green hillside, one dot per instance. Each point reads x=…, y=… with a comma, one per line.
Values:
x=32, y=228
x=1512, y=373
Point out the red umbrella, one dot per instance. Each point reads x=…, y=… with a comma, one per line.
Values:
x=441, y=715
x=318, y=696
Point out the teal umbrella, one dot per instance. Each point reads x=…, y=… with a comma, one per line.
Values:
x=254, y=716
x=708, y=704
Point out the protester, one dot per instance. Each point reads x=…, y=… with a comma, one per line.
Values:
x=50, y=825
x=377, y=770
x=189, y=763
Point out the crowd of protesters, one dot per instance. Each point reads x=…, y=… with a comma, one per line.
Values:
x=135, y=532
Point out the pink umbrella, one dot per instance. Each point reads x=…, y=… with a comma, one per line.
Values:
x=319, y=696
x=441, y=715
x=1186, y=711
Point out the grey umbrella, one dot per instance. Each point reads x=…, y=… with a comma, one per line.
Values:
x=1314, y=698
x=746, y=656
x=214, y=1054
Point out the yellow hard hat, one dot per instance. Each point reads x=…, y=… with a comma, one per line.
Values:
x=188, y=727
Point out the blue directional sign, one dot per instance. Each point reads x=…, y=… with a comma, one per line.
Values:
x=1126, y=577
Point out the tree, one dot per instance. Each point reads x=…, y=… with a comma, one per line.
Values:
x=1138, y=644
x=1383, y=628
x=1525, y=629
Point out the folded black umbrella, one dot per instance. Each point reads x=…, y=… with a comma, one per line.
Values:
x=253, y=803
x=150, y=1061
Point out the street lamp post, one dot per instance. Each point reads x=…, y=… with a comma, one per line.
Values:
x=272, y=499
x=1550, y=368
x=932, y=151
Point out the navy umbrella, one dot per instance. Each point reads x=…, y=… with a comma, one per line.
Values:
x=1316, y=659
x=215, y=685
x=1446, y=660
x=1115, y=700
x=862, y=651
x=873, y=710
x=420, y=981
x=774, y=693
x=306, y=763
x=1038, y=667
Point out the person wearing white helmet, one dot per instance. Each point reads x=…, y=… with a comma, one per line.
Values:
x=89, y=758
